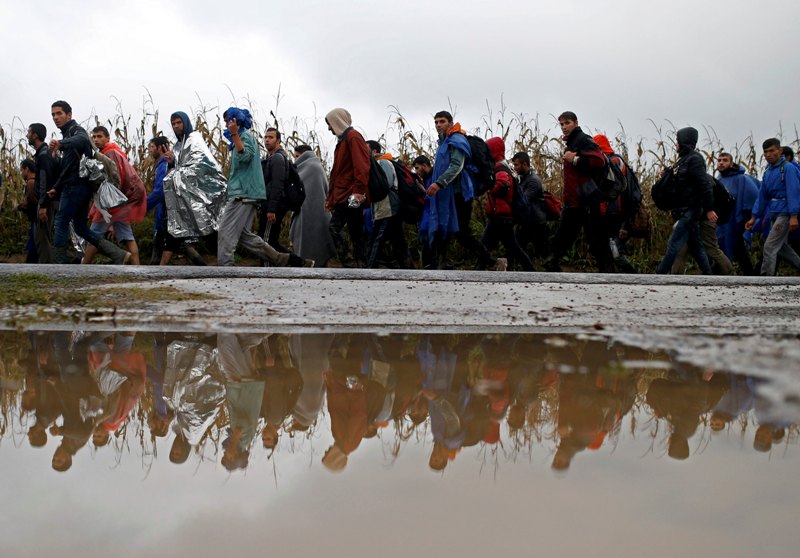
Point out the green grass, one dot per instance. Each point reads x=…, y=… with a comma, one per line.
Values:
x=34, y=289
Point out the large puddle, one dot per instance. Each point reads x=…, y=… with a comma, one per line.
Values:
x=353, y=445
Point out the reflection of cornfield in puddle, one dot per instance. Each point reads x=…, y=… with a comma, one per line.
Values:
x=520, y=131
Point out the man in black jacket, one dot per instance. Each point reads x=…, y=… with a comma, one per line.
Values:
x=46, y=176
x=697, y=199
x=75, y=191
x=276, y=172
x=535, y=229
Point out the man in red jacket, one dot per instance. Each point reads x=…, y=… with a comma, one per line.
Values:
x=349, y=181
x=583, y=160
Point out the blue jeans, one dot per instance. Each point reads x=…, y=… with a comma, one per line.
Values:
x=74, y=208
x=685, y=230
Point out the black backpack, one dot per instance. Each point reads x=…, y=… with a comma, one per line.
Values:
x=724, y=202
x=611, y=182
x=665, y=192
x=295, y=190
x=378, y=183
x=411, y=192
x=482, y=162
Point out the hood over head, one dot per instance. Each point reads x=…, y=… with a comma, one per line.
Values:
x=498, y=148
x=687, y=137
x=339, y=120
x=187, y=124
x=605, y=145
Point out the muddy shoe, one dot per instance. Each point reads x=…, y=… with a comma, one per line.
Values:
x=501, y=264
x=193, y=255
x=297, y=261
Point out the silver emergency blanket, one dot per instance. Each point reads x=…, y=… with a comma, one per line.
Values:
x=192, y=388
x=91, y=169
x=108, y=197
x=194, y=191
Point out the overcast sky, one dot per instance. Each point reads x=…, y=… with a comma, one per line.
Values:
x=730, y=65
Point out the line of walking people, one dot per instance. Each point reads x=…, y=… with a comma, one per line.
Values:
x=358, y=215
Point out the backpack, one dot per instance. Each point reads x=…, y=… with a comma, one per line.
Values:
x=611, y=182
x=411, y=193
x=665, y=192
x=378, y=183
x=482, y=162
x=640, y=224
x=294, y=191
x=552, y=207
x=724, y=202
x=520, y=209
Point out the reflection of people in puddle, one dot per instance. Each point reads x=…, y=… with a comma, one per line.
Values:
x=527, y=381
x=355, y=397
x=73, y=387
x=682, y=398
x=591, y=405
x=193, y=390
x=40, y=398
x=771, y=420
x=282, y=386
x=737, y=401
x=243, y=394
x=310, y=352
x=120, y=375
x=457, y=385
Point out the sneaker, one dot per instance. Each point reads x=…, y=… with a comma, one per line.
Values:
x=308, y=263
x=501, y=264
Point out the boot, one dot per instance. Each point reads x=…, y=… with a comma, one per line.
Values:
x=115, y=254
x=193, y=255
x=297, y=261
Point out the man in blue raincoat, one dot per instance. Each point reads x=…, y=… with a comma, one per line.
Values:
x=448, y=208
x=744, y=189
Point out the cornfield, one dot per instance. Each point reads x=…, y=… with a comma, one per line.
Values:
x=521, y=132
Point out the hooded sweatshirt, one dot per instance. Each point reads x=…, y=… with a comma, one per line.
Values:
x=187, y=128
x=696, y=187
x=351, y=160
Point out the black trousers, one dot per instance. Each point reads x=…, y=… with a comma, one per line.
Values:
x=573, y=219
x=353, y=219
x=464, y=236
x=502, y=231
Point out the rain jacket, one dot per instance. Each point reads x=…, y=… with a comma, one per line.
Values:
x=780, y=190
x=439, y=211
x=744, y=188
x=130, y=185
